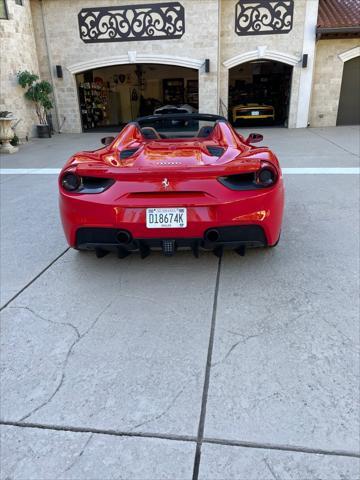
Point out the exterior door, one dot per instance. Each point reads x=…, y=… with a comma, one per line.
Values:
x=349, y=104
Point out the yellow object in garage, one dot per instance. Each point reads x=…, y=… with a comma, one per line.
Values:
x=253, y=111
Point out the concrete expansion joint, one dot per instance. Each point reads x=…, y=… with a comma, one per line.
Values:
x=183, y=438
x=201, y=427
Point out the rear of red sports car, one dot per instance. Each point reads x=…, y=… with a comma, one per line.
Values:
x=172, y=182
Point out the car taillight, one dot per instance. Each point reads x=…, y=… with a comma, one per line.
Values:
x=71, y=182
x=266, y=176
x=241, y=181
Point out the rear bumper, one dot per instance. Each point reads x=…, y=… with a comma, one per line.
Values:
x=259, y=120
x=255, y=117
x=112, y=239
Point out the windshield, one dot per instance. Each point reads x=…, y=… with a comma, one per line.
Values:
x=157, y=127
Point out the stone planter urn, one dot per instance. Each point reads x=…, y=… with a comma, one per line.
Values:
x=6, y=135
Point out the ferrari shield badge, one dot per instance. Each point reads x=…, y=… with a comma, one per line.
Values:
x=165, y=183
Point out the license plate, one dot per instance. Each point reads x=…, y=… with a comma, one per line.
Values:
x=255, y=112
x=166, y=218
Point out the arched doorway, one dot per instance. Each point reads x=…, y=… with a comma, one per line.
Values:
x=110, y=96
x=259, y=93
x=349, y=103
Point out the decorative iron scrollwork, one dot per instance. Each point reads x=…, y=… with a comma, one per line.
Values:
x=159, y=21
x=263, y=17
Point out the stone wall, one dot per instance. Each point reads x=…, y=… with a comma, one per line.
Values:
x=18, y=52
x=65, y=48
x=327, y=80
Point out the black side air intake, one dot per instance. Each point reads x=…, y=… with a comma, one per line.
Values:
x=127, y=153
x=215, y=151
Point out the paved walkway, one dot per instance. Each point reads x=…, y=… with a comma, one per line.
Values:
x=177, y=368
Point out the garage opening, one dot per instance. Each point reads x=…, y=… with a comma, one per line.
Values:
x=110, y=97
x=349, y=104
x=259, y=93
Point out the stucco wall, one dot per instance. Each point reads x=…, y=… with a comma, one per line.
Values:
x=17, y=52
x=67, y=49
x=232, y=45
x=327, y=80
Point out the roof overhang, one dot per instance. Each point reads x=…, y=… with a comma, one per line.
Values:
x=337, y=32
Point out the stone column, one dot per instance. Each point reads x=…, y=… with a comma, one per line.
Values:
x=306, y=75
x=208, y=99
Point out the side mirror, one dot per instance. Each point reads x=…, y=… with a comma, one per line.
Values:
x=254, y=138
x=107, y=140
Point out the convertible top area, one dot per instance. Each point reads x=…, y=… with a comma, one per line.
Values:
x=178, y=125
x=178, y=142
x=183, y=143
x=182, y=116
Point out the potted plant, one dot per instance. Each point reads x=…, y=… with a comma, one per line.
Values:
x=6, y=133
x=38, y=91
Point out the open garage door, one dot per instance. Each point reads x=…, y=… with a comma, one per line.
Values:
x=259, y=93
x=110, y=97
x=349, y=104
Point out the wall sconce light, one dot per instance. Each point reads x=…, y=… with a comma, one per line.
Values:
x=305, y=60
x=207, y=65
x=59, y=72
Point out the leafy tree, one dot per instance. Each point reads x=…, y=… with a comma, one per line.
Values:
x=38, y=91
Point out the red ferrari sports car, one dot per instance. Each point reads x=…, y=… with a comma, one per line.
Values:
x=173, y=181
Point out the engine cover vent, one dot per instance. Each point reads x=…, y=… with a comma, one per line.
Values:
x=127, y=153
x=215, y=151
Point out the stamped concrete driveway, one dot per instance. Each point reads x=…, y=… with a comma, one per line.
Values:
x=241, y=368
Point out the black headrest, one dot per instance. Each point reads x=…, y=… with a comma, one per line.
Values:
x=205, y=131
x=149, y=133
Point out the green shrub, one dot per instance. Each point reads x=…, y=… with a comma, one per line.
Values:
x=38, y=91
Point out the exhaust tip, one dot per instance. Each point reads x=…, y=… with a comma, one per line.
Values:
x=212, y=236
x=123, y=236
